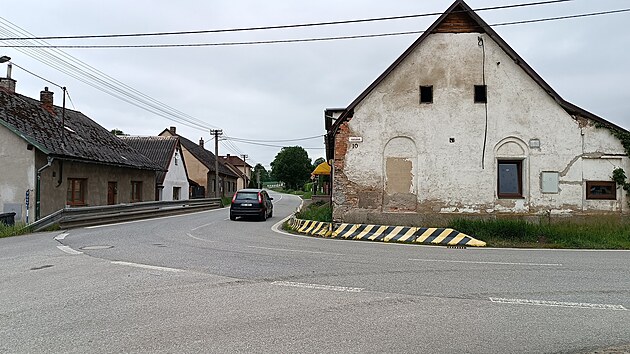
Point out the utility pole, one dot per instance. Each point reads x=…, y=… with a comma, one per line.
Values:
x=245, y=169
x=217, y=133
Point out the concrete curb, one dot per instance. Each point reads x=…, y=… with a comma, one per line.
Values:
x=421, y=235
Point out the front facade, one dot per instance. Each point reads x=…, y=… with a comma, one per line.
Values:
x=460, y=124
x=48, y=164
x=171, y=183
x=200, y=167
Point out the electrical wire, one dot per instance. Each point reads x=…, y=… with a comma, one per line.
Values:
x=314, y=24
x=274, y=141
x=298, y=40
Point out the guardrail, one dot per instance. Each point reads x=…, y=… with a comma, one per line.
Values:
x=97, y=215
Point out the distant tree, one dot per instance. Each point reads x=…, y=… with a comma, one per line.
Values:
x=292, y=166
x=264, y=175
x=117, y=131
x=318, y=162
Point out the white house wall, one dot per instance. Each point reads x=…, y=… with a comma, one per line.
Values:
x=456, y=176
x=175, y=177
x=17, y=175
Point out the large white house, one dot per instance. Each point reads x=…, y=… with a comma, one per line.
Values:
x=460, y=124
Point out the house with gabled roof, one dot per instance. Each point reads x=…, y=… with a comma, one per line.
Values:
x=201, y=171
x=53, y=157
x=165, y=151
x=243, y=169
x=461, y=125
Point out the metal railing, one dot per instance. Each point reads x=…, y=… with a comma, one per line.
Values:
x=98, y=215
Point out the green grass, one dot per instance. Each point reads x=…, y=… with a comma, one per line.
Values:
x=603, y=234
x=226, y=201
x=320, y=211
x=17, y=229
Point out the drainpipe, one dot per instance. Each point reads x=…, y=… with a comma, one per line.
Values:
x=38, y=187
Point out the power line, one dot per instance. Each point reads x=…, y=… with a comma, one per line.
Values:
x=299, y=40
x=302, y=25
x=87, y=74
x=274, y=141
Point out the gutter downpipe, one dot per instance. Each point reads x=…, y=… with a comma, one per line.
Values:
x=38, y=187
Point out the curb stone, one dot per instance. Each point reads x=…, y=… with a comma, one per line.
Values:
x=382, y=233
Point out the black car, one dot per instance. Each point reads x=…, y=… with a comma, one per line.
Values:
x=251, y=202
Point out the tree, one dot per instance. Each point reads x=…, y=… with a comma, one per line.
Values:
x=117, y=131
x=264, y=175
x=292, y=166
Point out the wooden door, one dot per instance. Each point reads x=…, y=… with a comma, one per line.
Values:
x=112, y=193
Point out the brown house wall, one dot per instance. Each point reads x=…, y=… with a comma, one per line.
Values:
x=54, y=195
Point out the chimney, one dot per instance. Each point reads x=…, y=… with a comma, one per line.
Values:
x=173, y=131
x=201, y=142
x=7, y=83
x=46, y=98
x=228, y=156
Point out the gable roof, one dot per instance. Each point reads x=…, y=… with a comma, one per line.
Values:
x=159, y=149
x=81, y=139
x=204, y=156
x=460, y=18
x=235, y=161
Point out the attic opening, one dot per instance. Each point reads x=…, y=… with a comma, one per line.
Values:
x=481, y=94
x=426, y=94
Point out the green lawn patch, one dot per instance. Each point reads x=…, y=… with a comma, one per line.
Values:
x=603, y=234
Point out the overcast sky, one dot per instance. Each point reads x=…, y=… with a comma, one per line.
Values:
x=279, y=91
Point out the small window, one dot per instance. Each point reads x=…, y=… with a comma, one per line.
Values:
x=606, y=190
x=426, y=94
x=481, y=94
x=177, y=193
x=136, y=191
x=510, y=179
x=76, y=191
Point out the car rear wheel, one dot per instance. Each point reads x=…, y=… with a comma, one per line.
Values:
x=232, y=217
x=263, y=215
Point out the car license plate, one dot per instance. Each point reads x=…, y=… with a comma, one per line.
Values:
x=246, y=204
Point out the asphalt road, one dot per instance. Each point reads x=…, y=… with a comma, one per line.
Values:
x=202, y=283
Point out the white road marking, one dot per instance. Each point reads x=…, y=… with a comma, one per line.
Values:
x=318, y=286
x=146, y=266
x=198, y=238
x=580, y=305
x=153, y=219
x=291, y=250
x=204, y=225
x=61, y=236
x=497, y=263
x=69, y=250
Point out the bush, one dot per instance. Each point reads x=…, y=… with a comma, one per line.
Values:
x=320, y=211
x=225, y=201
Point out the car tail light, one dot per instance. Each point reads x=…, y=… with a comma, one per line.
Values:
x=259, y=197
x=234, y=198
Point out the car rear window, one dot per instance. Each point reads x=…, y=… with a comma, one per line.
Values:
x=247, y=196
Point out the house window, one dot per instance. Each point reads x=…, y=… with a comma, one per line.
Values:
x=606, y=190
x=177, y=193
x=77, y=188
x=426, y=94
x=481, y=94
x=510, y=179
x=136, y=191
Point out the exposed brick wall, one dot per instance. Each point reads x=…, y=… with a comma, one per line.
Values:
x=458, y=22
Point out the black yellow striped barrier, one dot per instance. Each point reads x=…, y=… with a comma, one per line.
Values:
x=422, y=235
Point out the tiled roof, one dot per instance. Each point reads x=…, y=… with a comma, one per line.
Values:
x=82, y=139
x=235, y=161
x=204, y=156
x=158, y=149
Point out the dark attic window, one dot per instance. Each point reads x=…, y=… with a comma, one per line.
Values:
x=481, y=94
x=426, y=94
